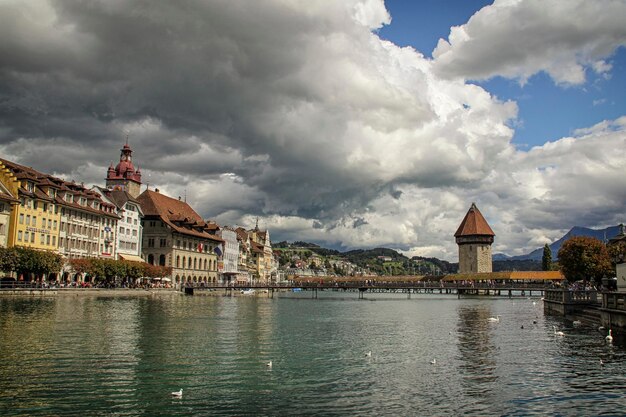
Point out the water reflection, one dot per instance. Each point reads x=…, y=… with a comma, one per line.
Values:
x=477, y=354
x=95, y=356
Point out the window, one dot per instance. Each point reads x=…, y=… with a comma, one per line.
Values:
x=135, y=233
x=32, y=237
x=121, y=230
x=28, y=220
x=54, y=225
x=21, y=218
x=1, y=228
x=163, y=243
x=49, y=224
x=135, y=222
x=47, y=239
x=42, y=238
x=35, y=221
x=151, y=242
x=54, y=240
x=26, y=236
x=129, y=220
x=19, y=236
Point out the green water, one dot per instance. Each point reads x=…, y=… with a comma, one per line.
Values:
x=84, y=355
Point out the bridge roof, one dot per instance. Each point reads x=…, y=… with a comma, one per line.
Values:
x=512, y=275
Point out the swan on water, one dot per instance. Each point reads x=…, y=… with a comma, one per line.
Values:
x=177, y=394
x=433, y=362
x=577, y=322
x=269, y=364
x=369, y=354
x=559, y=333
x=601, y=362
x=609, y=338
x=494, y=319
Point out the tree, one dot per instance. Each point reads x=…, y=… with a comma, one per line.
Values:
x=584, y=258
x=546, y=259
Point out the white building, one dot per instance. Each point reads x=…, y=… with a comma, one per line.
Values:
x=230, y=256
x=129, y=228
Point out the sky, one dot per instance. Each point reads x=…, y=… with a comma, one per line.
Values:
x=351, y=124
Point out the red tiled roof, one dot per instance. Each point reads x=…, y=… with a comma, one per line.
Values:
x=474, y=224
x=46, y=180
x=175, y=213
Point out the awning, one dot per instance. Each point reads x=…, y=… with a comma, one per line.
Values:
x=133, y=258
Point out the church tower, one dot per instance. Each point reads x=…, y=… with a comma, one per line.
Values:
x=124, y=176
x=474, y=237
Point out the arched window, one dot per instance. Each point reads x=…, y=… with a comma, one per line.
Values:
x=195, y=263
x=162, y=260
x=205, y=264
x=177, y=279
x=177, y=262
x=151, y=259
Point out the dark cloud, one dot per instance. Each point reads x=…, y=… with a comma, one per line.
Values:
x=296, y=113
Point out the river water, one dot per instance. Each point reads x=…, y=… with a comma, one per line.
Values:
x=90, y=355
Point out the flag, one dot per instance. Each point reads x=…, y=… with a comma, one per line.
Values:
x=217, y=251
x=199, y=247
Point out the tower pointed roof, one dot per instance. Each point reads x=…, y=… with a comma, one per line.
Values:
x=474, y=224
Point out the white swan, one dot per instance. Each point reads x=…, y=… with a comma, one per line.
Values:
x=369, y=354
x=601, y=362
x=494, y=319
x=609, y=338
x=559, y=333
x=433, y=362
x=577, y=322
x=178, y=394
x=269, y=364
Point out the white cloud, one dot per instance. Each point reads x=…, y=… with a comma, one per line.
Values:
x=516, y=39
x=317, y=126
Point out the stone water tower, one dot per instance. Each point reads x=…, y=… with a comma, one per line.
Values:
x=474, y=237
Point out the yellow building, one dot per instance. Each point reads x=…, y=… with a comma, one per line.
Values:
x=35, y=220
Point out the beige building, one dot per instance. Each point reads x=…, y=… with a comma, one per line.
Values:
x=474, y=237
x=6, y=202
x=175, y=235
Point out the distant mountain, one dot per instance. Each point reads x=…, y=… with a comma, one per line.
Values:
x=536, y=255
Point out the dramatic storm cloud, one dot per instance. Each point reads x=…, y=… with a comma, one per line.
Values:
x=298, y=113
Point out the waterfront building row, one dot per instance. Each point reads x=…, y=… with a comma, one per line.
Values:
x=41, y=211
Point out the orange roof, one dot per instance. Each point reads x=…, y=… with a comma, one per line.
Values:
x=175, y=213
x=474, y=224
x=516, y=275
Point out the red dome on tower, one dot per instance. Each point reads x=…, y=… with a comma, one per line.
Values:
x=125, y=168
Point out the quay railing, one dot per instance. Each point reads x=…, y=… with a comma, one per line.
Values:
x=614, y=300
x=566, y=296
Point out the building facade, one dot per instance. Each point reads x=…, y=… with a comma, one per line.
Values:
x=474, y=238
x=34, y=221
x=7, y=201
x=129, y=228
x=88, y=224
x=230, y=256
x=175, y=235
